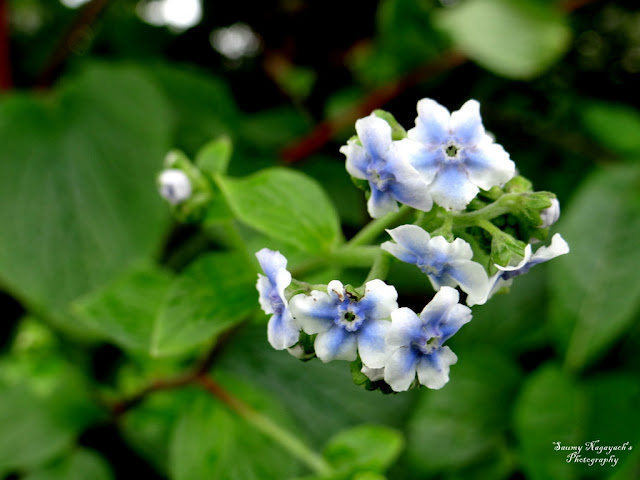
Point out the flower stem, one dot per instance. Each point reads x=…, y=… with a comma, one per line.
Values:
x=493, y=210
x=373, y=229
x=286, y=439
x=380, y=267
x=345, y=256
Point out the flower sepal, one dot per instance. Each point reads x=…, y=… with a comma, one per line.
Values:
x=397, y=131
x=505, y=250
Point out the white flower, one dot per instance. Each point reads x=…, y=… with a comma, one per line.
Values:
x=444, y=263
x=391, y=178
x=416, y=342
x=504, y=276
x=454, y=154
x=345, y=325
x=550, y=215
x=282, y=331
x=174, y=186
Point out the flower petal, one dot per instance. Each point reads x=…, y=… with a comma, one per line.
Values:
x=373, y=374
x=432, y=123
x=314, y=313
x=466, y=124
x=401, y=253
x=336, y=344
x=271, y=263
x=371, y=343
x=488, y=165
x=405, y=328
x=400, y=370
x=455, y=318
x=413, y=191
x=436, y=310
x=357, y=159
x=413, y=238
x=282, y=331
x=451, y=188
x=378, y=301
x=426, y=161
x=264, y=289
x=558, y=247
x=375, y=135
x=471, y=276
x=433, y=370
x=380, y=203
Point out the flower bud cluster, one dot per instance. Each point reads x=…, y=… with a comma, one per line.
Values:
x=475, y=221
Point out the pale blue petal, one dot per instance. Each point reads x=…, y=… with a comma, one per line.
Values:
x=471, y=276
x=357, y=159
x=433, y=370
x=405, y=328
x=282, y=331
x=400, y=370
x=413, y=192
x=466, y=124
x=413, y=238
x=380, y=203
x=455, y=318
x=432, y=123
x=436, y=310
x=489, y=165
x=401, y=253
x=336, y=344
x=426, y=161
x=375, y=135
x=371, y=343
x=314, y=313
x=378, y=301
x=264, y=290
x=451, y=188
x=271, y=263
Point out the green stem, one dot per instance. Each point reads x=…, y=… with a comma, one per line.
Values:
x=345, y=256
x=489, y=227
x=374, y=229
x=380, y=267
x=275, y=432
x=499, y=207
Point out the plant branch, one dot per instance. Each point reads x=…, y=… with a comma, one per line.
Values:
x=5, y=58
x=324, y=132
x=374, y=229
x=76, y=32
x=275, y=432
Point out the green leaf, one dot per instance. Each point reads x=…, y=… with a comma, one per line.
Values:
x=210, y=441
x=79, y=169
x=202, y=105
x=82, y=464
x=513, y=38
x=615, y=126
x=551, y=408
x=214, y=293
x=213, y=158
x=599, y=278
x=286, y=205
x=455, y=426
x=364, y=448
x=125, y=311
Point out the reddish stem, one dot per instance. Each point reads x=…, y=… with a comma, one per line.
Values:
x=5, y=61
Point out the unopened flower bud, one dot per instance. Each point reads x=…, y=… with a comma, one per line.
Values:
x=550, y=215
x=174, y=186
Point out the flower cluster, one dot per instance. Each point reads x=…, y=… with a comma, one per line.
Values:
x=474, y=223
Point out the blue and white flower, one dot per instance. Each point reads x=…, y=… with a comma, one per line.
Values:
x=174, y=186
x=390, y=177
x=444, y=263
x=504, y=276
x=345, y=325
x=282, y=331
x=456, y=157
x=416, y=343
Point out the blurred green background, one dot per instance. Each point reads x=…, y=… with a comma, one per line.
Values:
x=93, y=96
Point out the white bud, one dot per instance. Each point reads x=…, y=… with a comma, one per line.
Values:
x=550, y=215
x=175, y=186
